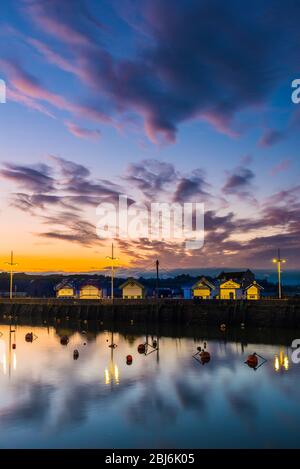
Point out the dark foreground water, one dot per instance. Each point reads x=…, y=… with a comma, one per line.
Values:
x=166, y=399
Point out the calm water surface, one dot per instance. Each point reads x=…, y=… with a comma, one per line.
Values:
x=166, y=399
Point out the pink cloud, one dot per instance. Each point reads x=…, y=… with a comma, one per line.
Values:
x=26, y=89
x=82, y=132
x=220, y=122
x=52, y=56
x=17, y=97
x=55, y=17
x=282, y=166
x=271, y=137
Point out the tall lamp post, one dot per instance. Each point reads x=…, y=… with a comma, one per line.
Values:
x=112, y=259
x=157, y=277
x=11, y=264
x=279, y=261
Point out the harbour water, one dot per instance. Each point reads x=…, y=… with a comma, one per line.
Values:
x=165, y=399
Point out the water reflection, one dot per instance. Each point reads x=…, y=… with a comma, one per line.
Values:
x=112, y=372
x=163, y=399
x=282, y=361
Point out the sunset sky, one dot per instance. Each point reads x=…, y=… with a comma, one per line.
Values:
x=161, y=100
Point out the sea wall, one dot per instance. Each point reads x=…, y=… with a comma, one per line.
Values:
x=262, y=313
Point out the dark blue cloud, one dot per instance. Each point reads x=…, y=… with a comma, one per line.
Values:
x=239, y=182
x=204, y=60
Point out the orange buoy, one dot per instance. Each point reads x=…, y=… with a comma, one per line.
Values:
x=64, y=340
x=129, y=359
x=75, y=354
x=142, y=348
x=29, y=337
x=204, y=357
x=252, y=360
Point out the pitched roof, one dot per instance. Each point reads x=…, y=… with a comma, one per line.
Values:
x=78, y=283
x=234, y=275
x=230, y=280
x=254, y=283
x=93, y=283
x=131, y=280
x=204, y=280
x=66, y=283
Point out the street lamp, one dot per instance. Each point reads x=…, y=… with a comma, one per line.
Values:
x=279, y=261
x=112, y=259
x=11, y=264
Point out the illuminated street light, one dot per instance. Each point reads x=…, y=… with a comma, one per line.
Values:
x=112, y=259
x=279, y=261
x=11, y=264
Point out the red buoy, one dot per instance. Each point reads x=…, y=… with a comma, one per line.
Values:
x=64, y=340
x=204, y=357
x=29, y=337
x=252, y=360
x=142, y=348
x=129, y=359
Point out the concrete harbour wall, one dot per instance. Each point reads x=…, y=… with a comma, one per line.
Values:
x=262, y=313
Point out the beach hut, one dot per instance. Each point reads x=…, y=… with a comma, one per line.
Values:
x=230, y=290
x=132, y=289
x=253, y=291
x=65, y=289
x=203, y=289
x=90, y=291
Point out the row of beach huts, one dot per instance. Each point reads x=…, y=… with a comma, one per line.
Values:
x=226, y=286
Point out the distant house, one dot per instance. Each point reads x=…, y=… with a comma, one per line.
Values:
x=203, y=289
x=65, y=289
x=187, y=292
x=90, y=291
x=132, y=289
x=163, y=292
x=241, y=277
x=253, y=291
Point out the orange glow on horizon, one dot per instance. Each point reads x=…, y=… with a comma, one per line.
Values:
x=68, y=263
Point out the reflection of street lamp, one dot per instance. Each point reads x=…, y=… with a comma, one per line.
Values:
x=281, y=362
x=111, y=374
x=279, y=261
x=12, y=264
x=112, y=258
